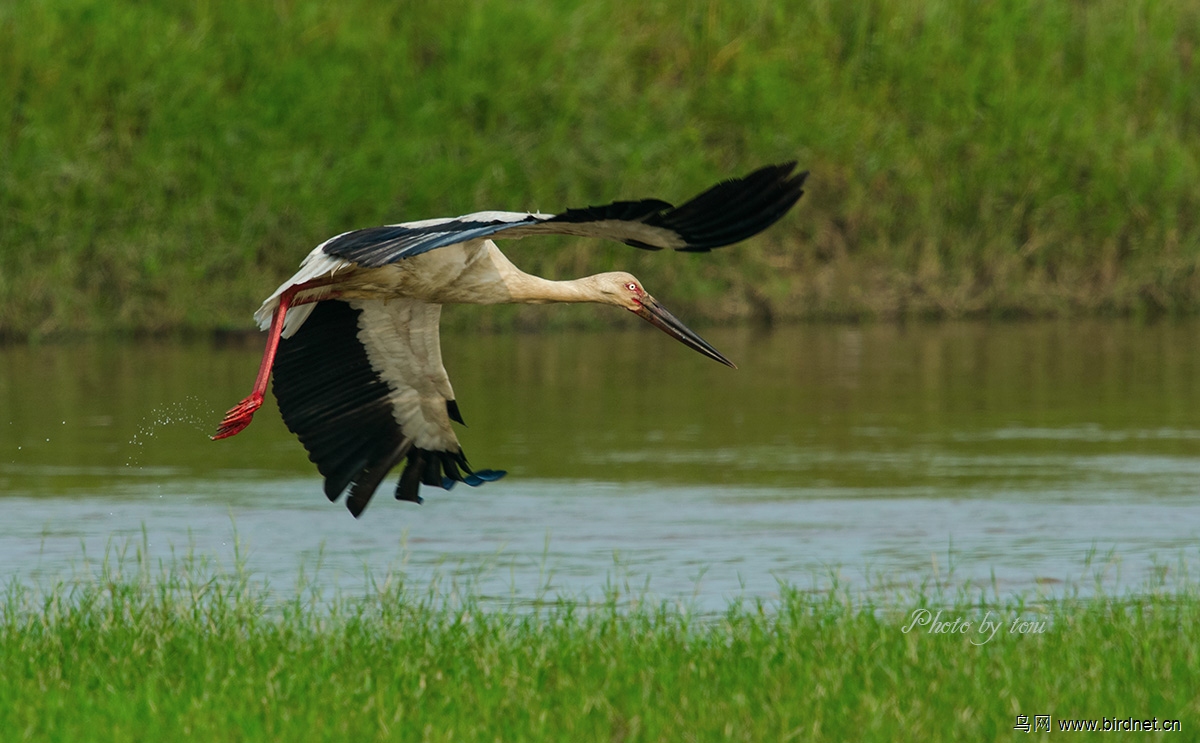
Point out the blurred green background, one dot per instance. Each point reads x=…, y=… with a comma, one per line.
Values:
x=164, y=165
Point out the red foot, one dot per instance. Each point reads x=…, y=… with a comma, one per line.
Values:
x=238, y=417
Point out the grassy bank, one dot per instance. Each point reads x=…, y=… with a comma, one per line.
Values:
x=164, y=165
x=184, y=652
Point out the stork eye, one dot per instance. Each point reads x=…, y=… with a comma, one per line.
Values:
x=631, y=286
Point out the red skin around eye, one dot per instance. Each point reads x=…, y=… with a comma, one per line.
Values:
x=637, y=295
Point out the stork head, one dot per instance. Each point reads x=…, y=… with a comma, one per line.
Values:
x=624, y=290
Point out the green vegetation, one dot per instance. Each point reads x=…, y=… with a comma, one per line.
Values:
x=185, y=651
x=164, y=165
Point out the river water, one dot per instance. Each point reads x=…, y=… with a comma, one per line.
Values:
x=1028, y=458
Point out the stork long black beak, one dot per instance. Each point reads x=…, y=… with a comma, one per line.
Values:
x=658, y=316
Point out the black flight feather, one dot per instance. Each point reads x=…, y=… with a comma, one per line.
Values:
x=341, y=410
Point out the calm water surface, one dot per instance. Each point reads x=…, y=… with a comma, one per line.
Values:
x=882, y=453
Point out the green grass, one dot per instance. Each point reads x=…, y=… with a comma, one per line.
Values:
x=163, y=165
x=184, y=651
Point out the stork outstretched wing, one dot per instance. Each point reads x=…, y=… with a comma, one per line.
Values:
x=724, y=214
x=362, y=385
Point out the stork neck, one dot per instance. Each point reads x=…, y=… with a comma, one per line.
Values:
x=529, y=289
x=490, y=278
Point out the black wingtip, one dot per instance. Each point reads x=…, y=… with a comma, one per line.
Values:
x=479, y=477
x=439, y=469
x=734, y=210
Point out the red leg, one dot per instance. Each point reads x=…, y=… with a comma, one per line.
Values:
x=240, y=415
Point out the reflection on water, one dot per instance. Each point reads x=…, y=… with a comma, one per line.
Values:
x=880, y=448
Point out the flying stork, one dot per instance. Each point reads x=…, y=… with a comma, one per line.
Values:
x=353, y=335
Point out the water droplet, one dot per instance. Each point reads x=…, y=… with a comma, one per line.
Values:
x=190, y=411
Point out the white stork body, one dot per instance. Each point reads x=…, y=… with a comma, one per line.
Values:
x=353, y=336
x=473, y=272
